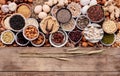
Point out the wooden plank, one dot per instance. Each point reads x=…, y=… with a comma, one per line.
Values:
x=59, y=74
x=10, y=60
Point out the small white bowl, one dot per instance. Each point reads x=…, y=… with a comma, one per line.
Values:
x=86, y=32
x=67, y=25
x=5, y=22
x=22, y=17
x=25, y=35
x=77, y=20
x=11, y=41
x=68, y=7
x=41, y=43
x=78, y=40
x=32, y=21
x=60, y=45
x=111, y=43
x=18, y=42
x=55, y=8
x=100, y=19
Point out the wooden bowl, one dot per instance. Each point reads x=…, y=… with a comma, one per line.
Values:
x=24, y=9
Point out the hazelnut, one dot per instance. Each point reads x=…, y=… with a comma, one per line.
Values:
x=2, y=1
x=30, y=1
x=84, y=44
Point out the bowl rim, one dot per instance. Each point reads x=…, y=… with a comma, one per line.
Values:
x=77, y=20
x=18, y=42
x=111, y=43
x=25, y=5
x=32, y=23
x=22, y=17
x=41, y=24
x=3, y=40
x=110, y=32
x=64, y=9
x=72, y=28
x=79, y=11
x=55, y=6
x=41, y=43
x=66, y=39
x=3, y=19
x=100, y=19
x=28, y=38
x=97, y=25
x=78, y=40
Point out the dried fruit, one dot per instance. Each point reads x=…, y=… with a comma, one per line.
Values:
x=31, y=32
x=39, y=41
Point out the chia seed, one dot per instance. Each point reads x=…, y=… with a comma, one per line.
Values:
x=64, y=15
x=17, y=22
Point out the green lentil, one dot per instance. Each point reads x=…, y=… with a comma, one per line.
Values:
x=108, y=38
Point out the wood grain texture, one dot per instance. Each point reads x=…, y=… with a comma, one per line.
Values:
x=59, y=74
x=106, y=64
x=10, y=60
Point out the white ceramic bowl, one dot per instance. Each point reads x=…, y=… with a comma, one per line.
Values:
x=77, y=20
x=100, y=19
x=41, y=43
x=79, y=38
x=77, y=4
x=22, y=17
x=93, y=39
x=26, y=36
x=67, y=25
x=59, y=45
x=111, y=43
x=32, y=21
x=18, y=42
x=4, y=41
